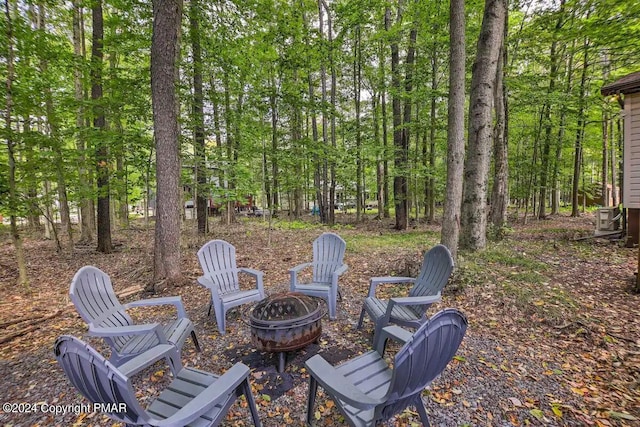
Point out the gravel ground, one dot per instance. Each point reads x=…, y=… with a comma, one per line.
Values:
x=514, y=367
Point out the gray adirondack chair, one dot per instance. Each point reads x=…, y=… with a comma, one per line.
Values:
x=218, y=261
x=328, y=255
x=194, y=397
x=367, y=390
x=96, y=302
x=410, y=311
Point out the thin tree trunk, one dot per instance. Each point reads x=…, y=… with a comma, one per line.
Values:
x=13, y=199
x=385, y=132
x=500, y=190
x=474, y=213
x=357, y=87
x=164, y=57
x=613, y=157
x=59, y=163
x=334, y=107
x=273, y=202
x=200, y=164
x=406, y=122
x=318, y=159
x=86, y=228
x=102, y=153
x=455, y=128
x=399, y=157
x=577, y=156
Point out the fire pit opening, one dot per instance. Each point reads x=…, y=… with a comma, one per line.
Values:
x=285, y=322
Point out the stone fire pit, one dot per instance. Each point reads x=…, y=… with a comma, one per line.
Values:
x=285, y=322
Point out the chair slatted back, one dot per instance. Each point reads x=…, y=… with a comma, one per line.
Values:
x=424, y=357
x=436, y=269
x=95, y=300
x=218, y=261
x=98, y=380
x=328, y=255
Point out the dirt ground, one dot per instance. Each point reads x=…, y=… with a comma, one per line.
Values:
x=553, y=335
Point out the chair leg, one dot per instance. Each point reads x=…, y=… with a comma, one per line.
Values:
x=422, y=411
x=361, y=319
x=246, y=389
x=196, y=343
x=313, y=388
x=332, y=306
x=220, y=319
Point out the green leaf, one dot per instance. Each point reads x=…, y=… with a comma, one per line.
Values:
x=537, y=413
x=622, y=416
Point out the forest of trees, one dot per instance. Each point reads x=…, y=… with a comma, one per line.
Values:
x=305, y=104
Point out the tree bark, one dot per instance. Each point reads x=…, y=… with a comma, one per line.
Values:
x=400, y=154
x=87, y=226
x=474, y=212
x=577, y=156
x=164, y=55
x=59, y=163
x=455, y=125
x=200, y=164
x=102, y=151
x=15, y=235
x=500, y=190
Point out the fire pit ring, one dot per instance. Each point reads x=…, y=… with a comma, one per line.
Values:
x=285, y=322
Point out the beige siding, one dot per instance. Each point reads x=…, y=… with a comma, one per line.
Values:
x=632, y=150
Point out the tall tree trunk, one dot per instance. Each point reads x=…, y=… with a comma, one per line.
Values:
x=334, y=107
x=86, y=203
x=13, y=199
x=455, y=128
x=385, y=131
x=429, y=156
x=59, y=161
x=613, y=157
x=406, y=120
x=273, y=201
x=318, y=159
x=164, y=57
x=474, y=214
x=577, y=156
x=102, y=151
x=500, y=190
x=357, y=88
x=548, y=107
x=400, y=155
x=555, y=198
x=200, y=164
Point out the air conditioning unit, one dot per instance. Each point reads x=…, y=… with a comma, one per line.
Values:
x=607, y=219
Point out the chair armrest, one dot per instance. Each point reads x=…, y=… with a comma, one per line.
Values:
x=149, y=357
x=251, y=271
x=118, y=331
x=336, y=384
x=176, y=301
x=341, y=270
x=209, y=397
x=428, y=299
x=293, y=273
x=300, y=267
x=257, y=274
x=393, y=332
x=375, y=281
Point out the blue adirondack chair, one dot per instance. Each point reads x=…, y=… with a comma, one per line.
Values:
x=367, y=390
x=410, y=311
x=328, y=255
x=193, y=398
x=218, y=261
x=95, y=300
